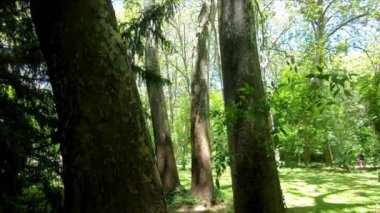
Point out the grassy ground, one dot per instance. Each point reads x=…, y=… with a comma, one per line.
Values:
x=312, y=190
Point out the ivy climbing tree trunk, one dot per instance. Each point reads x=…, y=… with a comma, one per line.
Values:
x=201, y=172
x=164, y=146
x=108, y=163
x=255, y=180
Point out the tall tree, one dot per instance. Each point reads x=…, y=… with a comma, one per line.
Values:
x=255, y=180
x=201, y=171
x=107, y=155
x=164, y=146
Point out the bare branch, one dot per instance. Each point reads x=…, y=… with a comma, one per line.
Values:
x=327, y=8
x=331, y=16
x=286, y=28
x=344, y=23
x=366, y=52
x=314, y=30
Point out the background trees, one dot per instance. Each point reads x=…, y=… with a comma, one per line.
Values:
x=316, y=99
x=29, y=154
x=319, y=64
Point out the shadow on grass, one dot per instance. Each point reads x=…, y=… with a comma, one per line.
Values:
x=324, y=177
x=322, y=206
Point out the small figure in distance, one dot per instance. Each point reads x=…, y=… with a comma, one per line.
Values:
x=361, y=162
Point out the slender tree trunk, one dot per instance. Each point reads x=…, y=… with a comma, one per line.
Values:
x=255, y=180
x=164, y=146
x=328, y=155
x=108, y=163
x=201, y=172
x=306, y=155
x=308, y=140
x=299, y=158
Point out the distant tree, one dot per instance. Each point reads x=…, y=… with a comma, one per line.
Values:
x=369, y=87
x=108, y=163
x=201, y=170
x=163, y=141
x=326, y=19
x=255, y=180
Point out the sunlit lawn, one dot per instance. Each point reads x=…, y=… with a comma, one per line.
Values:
x=317, y=190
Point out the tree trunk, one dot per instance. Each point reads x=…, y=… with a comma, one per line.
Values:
x=306, y=155
x=201, y=172
x=328, y=155
x=308, y=140
x=164, y=146
x=255, y=180
x=108, y=163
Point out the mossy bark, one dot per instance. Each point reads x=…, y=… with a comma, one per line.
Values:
x=201, y=172
x=255, y=180
x=108, y=163
x=164, y=145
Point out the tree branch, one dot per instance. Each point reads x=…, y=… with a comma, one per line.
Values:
x=344, y=23
x=327, y=8
x=366, y=52
x=313, y=24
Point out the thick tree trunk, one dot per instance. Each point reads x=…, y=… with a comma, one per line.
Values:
x=164, y=146
x=107, y=155
x=256, y=185
x=201, y=172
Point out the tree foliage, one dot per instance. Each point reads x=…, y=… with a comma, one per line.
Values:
x=30, y=164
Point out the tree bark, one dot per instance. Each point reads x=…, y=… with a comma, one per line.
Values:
x=108, y=163
x=306, y=154
x=307, y=149
x=201, y=172
x=164, y=146
x=328, y=155
x=255, y=180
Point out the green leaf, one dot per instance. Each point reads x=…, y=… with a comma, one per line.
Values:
x=336, y=92
x=319, y=68
x=348, y=93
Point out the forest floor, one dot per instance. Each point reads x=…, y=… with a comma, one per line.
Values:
x=305, y=190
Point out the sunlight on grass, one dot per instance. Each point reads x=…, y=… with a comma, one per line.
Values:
x=317, y=190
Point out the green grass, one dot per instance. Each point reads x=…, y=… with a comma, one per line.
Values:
x=316, y=190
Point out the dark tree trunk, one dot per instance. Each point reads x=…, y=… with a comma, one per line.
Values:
x=376, y=126
x=164, y=146
x=328, y=155
x=308, y=140
x=306, y=155
x=107, y=155
x=201, y=172
x=255, y=180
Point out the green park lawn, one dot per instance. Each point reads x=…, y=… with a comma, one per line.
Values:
x=309, y=190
